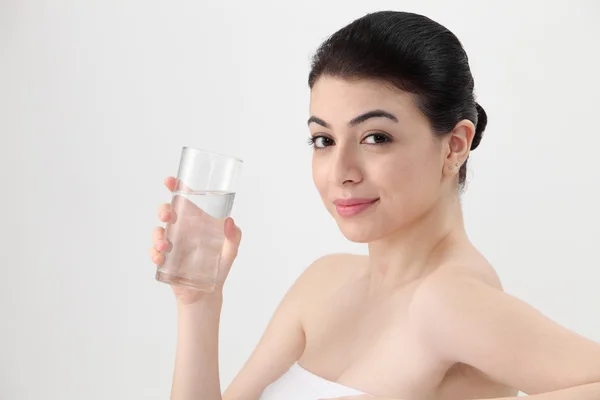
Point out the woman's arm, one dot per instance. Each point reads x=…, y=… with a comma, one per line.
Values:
x=197, y=369
x=196, y=362
x=283, y=341
x=464, y=320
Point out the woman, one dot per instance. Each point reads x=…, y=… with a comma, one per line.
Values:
x=423, y=316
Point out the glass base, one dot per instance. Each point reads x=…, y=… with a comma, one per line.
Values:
x=204, y=285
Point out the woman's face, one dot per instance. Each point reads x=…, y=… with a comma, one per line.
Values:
x=377, y=164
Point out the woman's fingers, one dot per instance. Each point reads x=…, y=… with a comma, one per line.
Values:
x=161, y=243
x=170, y=183
x=158, y=234
x=164, y=246
x=164, y=213
x=156, y=256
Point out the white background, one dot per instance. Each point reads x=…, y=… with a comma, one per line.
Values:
x=97, y=98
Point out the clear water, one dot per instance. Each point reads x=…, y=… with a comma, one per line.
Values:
x=215, y=204
x=196, y=236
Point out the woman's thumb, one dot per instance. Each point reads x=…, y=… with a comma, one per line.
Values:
x=233, y=237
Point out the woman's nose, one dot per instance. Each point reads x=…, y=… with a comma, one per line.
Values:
x=346, y=167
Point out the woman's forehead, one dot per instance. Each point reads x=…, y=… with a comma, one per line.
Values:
x=341, y=100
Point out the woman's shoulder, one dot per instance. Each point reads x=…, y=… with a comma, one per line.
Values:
x=333, y=268
x=474, y=267
x=332, y=263
x=328, y=273
x=455, y=279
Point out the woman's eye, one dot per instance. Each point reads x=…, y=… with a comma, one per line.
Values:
x=320, y=142
x=376, y=138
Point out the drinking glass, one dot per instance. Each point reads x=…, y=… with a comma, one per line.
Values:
x=202, y=200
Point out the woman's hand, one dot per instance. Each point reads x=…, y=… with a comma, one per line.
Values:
x=162, y=246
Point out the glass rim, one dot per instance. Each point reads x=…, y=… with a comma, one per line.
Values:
x=213, y=153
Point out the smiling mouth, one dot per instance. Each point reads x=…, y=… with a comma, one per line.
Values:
x=352, y=208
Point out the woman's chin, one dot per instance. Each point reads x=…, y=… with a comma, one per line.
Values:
x=358, y=233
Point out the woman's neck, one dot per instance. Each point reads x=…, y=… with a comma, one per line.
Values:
x=417, y=249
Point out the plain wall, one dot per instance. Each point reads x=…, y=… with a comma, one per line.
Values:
x=97, y=98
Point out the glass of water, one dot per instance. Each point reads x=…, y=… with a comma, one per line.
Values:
x=202, y=200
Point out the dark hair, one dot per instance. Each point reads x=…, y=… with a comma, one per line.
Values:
x=417, y=55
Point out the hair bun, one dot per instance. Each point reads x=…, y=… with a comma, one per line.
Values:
x=481, y=124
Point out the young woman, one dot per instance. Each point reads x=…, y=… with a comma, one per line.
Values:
x=393, y=119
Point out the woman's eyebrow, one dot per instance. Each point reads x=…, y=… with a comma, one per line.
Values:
x=357, y=120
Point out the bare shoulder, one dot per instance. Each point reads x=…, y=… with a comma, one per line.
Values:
x=474, y=268
x=327, y=275
x=340, y=260
x=449, y=289
x=462, y=315
x=335, y=266
x=284, y=339
x=441, y=296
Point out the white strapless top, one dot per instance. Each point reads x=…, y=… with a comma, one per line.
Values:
x=300, y=384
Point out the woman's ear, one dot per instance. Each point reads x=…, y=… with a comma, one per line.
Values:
x=459, y=145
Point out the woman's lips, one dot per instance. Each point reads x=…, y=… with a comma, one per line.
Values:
x=351, y=207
